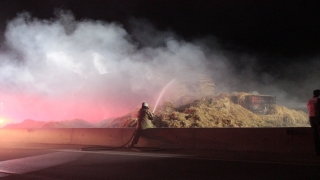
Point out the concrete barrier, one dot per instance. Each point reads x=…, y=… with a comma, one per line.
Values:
x=106, y=137
x=251, y=139
x=296, y=140
x=241, y=139
x=301, y=139
x=52, y=136
x=171, y=137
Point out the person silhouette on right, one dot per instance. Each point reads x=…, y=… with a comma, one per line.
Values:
x=314, y=118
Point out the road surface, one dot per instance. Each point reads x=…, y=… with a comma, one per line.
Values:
x=68, y=162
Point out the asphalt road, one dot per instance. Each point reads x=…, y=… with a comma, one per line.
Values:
x=67, y=162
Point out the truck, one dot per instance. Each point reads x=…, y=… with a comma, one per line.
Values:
x=258, y=104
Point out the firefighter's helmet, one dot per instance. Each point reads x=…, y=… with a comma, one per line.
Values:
x=145, y=105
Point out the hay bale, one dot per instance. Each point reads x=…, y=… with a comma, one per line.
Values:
x=281, y=116
x=219, y=111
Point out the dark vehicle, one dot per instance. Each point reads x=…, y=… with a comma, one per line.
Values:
x=258, y=104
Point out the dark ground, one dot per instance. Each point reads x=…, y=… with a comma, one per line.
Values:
x=67, y=162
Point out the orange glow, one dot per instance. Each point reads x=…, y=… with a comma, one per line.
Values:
x=3, y=122
x=20, y=106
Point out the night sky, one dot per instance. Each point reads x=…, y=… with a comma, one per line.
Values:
x=277, y=32
x=267, y=42
x=275, y=28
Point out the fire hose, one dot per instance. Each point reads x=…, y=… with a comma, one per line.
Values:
x=105, y=148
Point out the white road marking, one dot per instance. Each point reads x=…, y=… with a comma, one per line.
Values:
x=145, y=154
x=36, y=163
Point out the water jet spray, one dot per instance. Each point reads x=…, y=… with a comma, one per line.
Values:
x=161, y=94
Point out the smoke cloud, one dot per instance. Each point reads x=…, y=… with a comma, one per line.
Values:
x=62, y=68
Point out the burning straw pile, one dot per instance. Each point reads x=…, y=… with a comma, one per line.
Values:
x=219, y=111
x=199, y=108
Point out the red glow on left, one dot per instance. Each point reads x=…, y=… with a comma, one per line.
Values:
x=21, y=106
x=4, y=121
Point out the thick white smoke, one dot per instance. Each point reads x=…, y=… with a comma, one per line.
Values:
x=62, y=68
x=70, y=66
